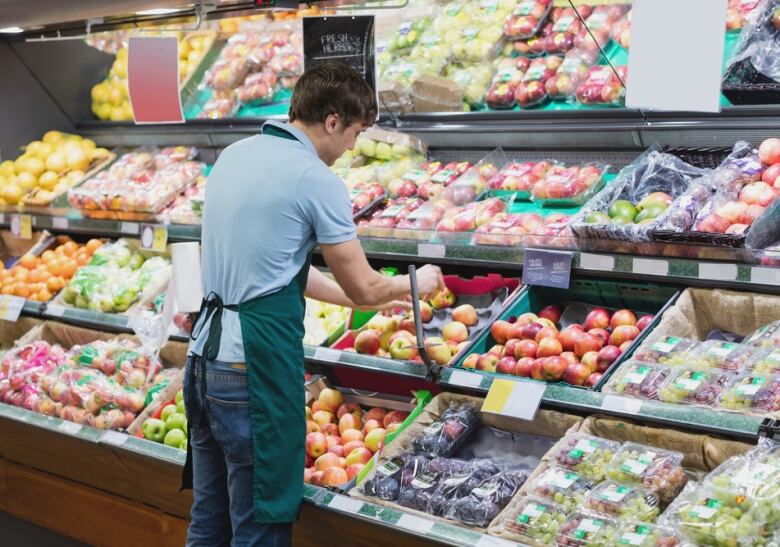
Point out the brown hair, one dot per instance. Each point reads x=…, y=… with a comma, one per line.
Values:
x=333, y=88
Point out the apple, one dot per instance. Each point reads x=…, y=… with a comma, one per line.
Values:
x=606, y=356
x=546, y=332
x=368, y=342
x=526, y=348
x=154, y=430
x=569, y=335
x=600, y=333
x=403, y=348
x=470, y=362
x=176, y=421
x=553, y=368
x=455, y=331
x=349, y=421
x=349, y=435
x=322, y=417
x=348, y=408
x=498, y=350
x=549, y=347
x=307, y=474
x=526, y=319
x=510, y=348
x=336, y=449
x=333, y=440
x=375, y=413
x=394, y=416
x=597, y=318
x=570, y=357
x=406, y=325
x=622, y=317
x=551, y=313
x=330, y=399
x=312, y=426
x=536, y=369
x=593, y=379
x=369, y=426
x=487, y=362
x=426, y=312
x=523, y=367
x=443, y=299
x=576, y=374
x=644, y=321
x=328, y=459
x=329, y=429
x=317, y=478
x=353, y=470
x=546, y=323
x=334, y=476
x=713, y=223
x=438, y=350
x=771, y=174
x=352, y=445
x=466, y=314
x=375, y=439
x=316, y=444
x=506, y=365
x=531, y=330
x=623, y=333
x=587, y=342
x=359, y=455
x=500, y=331
x=625, y=345
x=769, y=151
x=755, y=193
x=167, y=410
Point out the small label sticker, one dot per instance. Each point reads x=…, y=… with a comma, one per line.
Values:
x=615, y=493
x=465, y=379
x=638, y=376
x=21, y=226
x=390, y=467
x=623, y=405
x=634, y=467
x=55, y=310
x=345, y=503
x=59, y=223
x=600, y=263
x=154, y=238
x=415, y=523
x=750, y=389
x=635, y=537
x=665, y=344
x=129, y=228
x=530, y=512
x=328, y=355
x=431, y=250
x=11, y=307
x=114, y=437
x=563, y=479
x=69, y=427
x=425, y=480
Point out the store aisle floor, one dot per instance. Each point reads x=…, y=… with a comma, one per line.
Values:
x=20, y=533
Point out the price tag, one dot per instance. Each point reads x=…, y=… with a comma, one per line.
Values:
x=517, y=399
x=21, y=226
x=724, y=272
x=2, y=218
x=11, y=307
x=431, y=250
x=327, y=354
x=490, y=541
x=54, y=310
x=129, y=228
x=466, y=379
x=624, y=405
x=764, y=276
x=648, y=266
x=154, y=238
x=345, y=503
x=547, y=268
x=416, y=524
x=114, y=437
x=70, y=428
x=601, y=263
x=59, y=223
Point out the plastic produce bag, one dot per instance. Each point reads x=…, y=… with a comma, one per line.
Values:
x=471, y=216
x=601, y=85
x=258, y=88
x=448, y=433
x=569, y=186
x=227, y=74
x=621, y=31
x=566, y=26
x=531, y=91
x=638, y=379
x=767, y=336
x=418, y=482
x=759, y=43
x=385, y=484
x=527, y=19
x=568, y=76
x=486, y=501
x=528, y=229
x=456, y=484
x=408, y=33
x=220, y=106
x=473, y=80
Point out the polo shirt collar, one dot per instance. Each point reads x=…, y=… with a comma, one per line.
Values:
x=299, y=135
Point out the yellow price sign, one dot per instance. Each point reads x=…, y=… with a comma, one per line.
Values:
x=11, y=307
x=154, y=238
x=516, y=399
x=21, y=226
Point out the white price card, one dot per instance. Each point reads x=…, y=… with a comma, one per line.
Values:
x=131, y=228
x=21, y=226
x=764, y=276
x=490, y=541
x=114, y=437
x=70, y=428
x=415, y=524
x=345, y=503
x=431, y=250
x=327, y=354
x=464, y=378
x=516, y=399
x=55, y=310
x=649, y=266
x=662, y=74
x=154, y=238
x=11, y=307
x=721, y=272
x=601, y=263
x=624, y=405
x=59, y=223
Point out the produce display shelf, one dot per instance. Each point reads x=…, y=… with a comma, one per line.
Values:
x=571, y=398
x=331, y=357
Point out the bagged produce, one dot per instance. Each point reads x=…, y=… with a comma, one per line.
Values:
x=656, y=469
x=531, y=90
x=603, y=85
x=527, y=19
x=535, y=520
x=448, y=433
x=486, y=501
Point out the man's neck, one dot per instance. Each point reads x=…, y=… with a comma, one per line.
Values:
x=311, y=132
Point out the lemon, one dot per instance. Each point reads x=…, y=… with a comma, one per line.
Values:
x=56, y=162
x=48, y=180
x=53, y=137
x=12, y=193
x=7, y=168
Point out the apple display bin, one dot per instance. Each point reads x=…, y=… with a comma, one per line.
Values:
x=649, y=298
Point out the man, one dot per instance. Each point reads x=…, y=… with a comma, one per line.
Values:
x=270, y=200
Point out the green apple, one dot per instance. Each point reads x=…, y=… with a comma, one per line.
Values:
x=368, y=148
x=620, y=219
x=654, y=198
x=597, y=217
x=622, y=208
x=384, y=151
x=183, y=445
x=651, y=211
x=175, y=437
x=167, y=411
x=154, y=430
x=179, y=396
x=180, y=407
x=177, y=420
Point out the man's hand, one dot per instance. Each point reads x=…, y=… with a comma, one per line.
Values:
x=429, y=281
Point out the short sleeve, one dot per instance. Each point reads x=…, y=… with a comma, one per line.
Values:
x=325, y=202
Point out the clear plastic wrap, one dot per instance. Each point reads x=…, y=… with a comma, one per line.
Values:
x=287, y=62
x=586, y=454
x=562, y=486
x=598, y=26
x=766, y=361
x=419, y=481
x=657, y=191
x=448, y=433
x=474, y=81
x=638, y=379
x=531, y=90
x=486, y=501
x=638, y=534
x=518, y=178
x=721, y=355
x=527, y=19
x=515, y=229
x=385, y=484
x=601, y=85
x=569, y=186
x=753, y=392
x=535, y=520
x=462, y=477
x=258, y=88
x=767, y=336
x=695, y=387
x=654, y=468
x=227, y=74
x=759, y=43
x=568, y=76
x=21, y=371
x=471, y=216
x=621, y=31
x=470, y=186
x=624, y=501
x=585, y=529
x=666, y=350
x=220, y=106
x=408, y=33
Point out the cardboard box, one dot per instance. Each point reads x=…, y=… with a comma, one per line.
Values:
x=436, y=94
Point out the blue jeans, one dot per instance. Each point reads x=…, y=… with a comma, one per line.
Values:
x=221, y=442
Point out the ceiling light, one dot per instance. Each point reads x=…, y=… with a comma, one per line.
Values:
x=159, y=11
x=11, y=30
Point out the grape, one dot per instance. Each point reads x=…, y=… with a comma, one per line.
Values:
x=656, y=469
x=645, y=535
x=536, y=520
x=767, y=336
x=638, y=379
x=562, y=486
x=764, y=362
x=720, y=354
x=694, y=387
x=669, y=350
x=753, y=392
x=624, y=500
x=755, y=481
x=587, y=530
x=587, y=455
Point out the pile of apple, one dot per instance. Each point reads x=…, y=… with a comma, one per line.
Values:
x=471, y=216
x=533, y=346
x=510, y=71
x=321, y=319
x=735, y=216
x=560, y=182
x=568, y=76
x=531, y=90
x=171, y=427
x=428, y=180
x=603, y=85
x=526, y=19
x=622, y=211
x=364, y=193
x=394, y=336
x=341, y=438
x=515, y=229
x=621, y=31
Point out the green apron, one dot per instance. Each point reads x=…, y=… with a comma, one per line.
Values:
x=272, y=331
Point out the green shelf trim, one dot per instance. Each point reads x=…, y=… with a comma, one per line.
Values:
x=366, y=362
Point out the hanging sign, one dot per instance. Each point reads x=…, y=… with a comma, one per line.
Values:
x=153, y=80
x=349, y=39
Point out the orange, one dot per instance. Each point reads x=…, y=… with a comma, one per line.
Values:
x=55, y=284
x=28, y=261
x=48, y=256
x=69, y=267
x=83, y=259
x=60, y=251
x=38, y=275
x=70, y=248
x=93, y=245
x=55, y=267
x=8, y=289
x=37, y=287
x=22, y=274
x=44, y=296
x=22, y=289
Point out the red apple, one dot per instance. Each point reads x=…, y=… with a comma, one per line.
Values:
x=323, y=417
x=498, y=350
x=516, y=332
x=547, y=332
x=369, y=426
x=526, y=319
x=549, y=347
x=600, y=333
x=598, y=318
x=336, y=449
x=316, y=478
x=547, y=323
x=576, y=374
x=553, y=313
x=500, y=331
x=438, y=350
x=569, y=335
x=347, y=408
x=368, y=342
x=643, y=321
x=510, y=348
x=769, y=151
x=394, y=417
x=316, y=444
x=526, y=348
x=593, y=379
x=353, y=470
x=623, y=333
x=466, y=314
x=625, y=345
x=330, y=399
x=771, y=174
x=375, y=413
x=329, y=429
x=470, y=362
x=530, y=331
x=606, y=356
x=349, y=421
x=426, y=312
x=590, y=360
x=487, y=362
x=351, y=435
x=536, y=369
x=570, y=357
x=553, y=368
x=622, y=317
x=455, y=331
x=524, y=367
x=587, y=342
x=307, y=475
x=359, y=455
x=506, y=365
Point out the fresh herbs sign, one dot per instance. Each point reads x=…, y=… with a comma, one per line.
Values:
x=349, y=39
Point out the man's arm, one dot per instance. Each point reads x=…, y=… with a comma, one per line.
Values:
x=368, y=288
x=321, y=287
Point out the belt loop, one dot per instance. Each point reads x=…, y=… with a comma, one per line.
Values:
x=203, y=391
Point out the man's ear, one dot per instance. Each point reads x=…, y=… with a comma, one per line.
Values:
x=331, y=123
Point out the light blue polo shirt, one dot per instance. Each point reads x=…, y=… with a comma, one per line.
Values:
x=269, y=201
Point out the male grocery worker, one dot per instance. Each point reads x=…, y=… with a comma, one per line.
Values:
x=270, y=200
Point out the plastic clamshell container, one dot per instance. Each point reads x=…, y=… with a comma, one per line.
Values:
x=766, y=361
x=585, y=529
x=767, y=336
x=638, y=379
x=693, y=386
x=625, y=501
x=580, y=193
x=757, y=481
x=654, y=468
x=536, y=520
x=562, y=486
x=754, y=392
x=720, y=354
x=666, y=350
x=636, y=534
x=586, y=454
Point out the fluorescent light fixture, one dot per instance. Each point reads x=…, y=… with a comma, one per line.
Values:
x=159, y=11
x=11, y=30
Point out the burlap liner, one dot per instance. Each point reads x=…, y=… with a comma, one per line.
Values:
x=11, y=332
x=702, y=454
x=547, y=423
